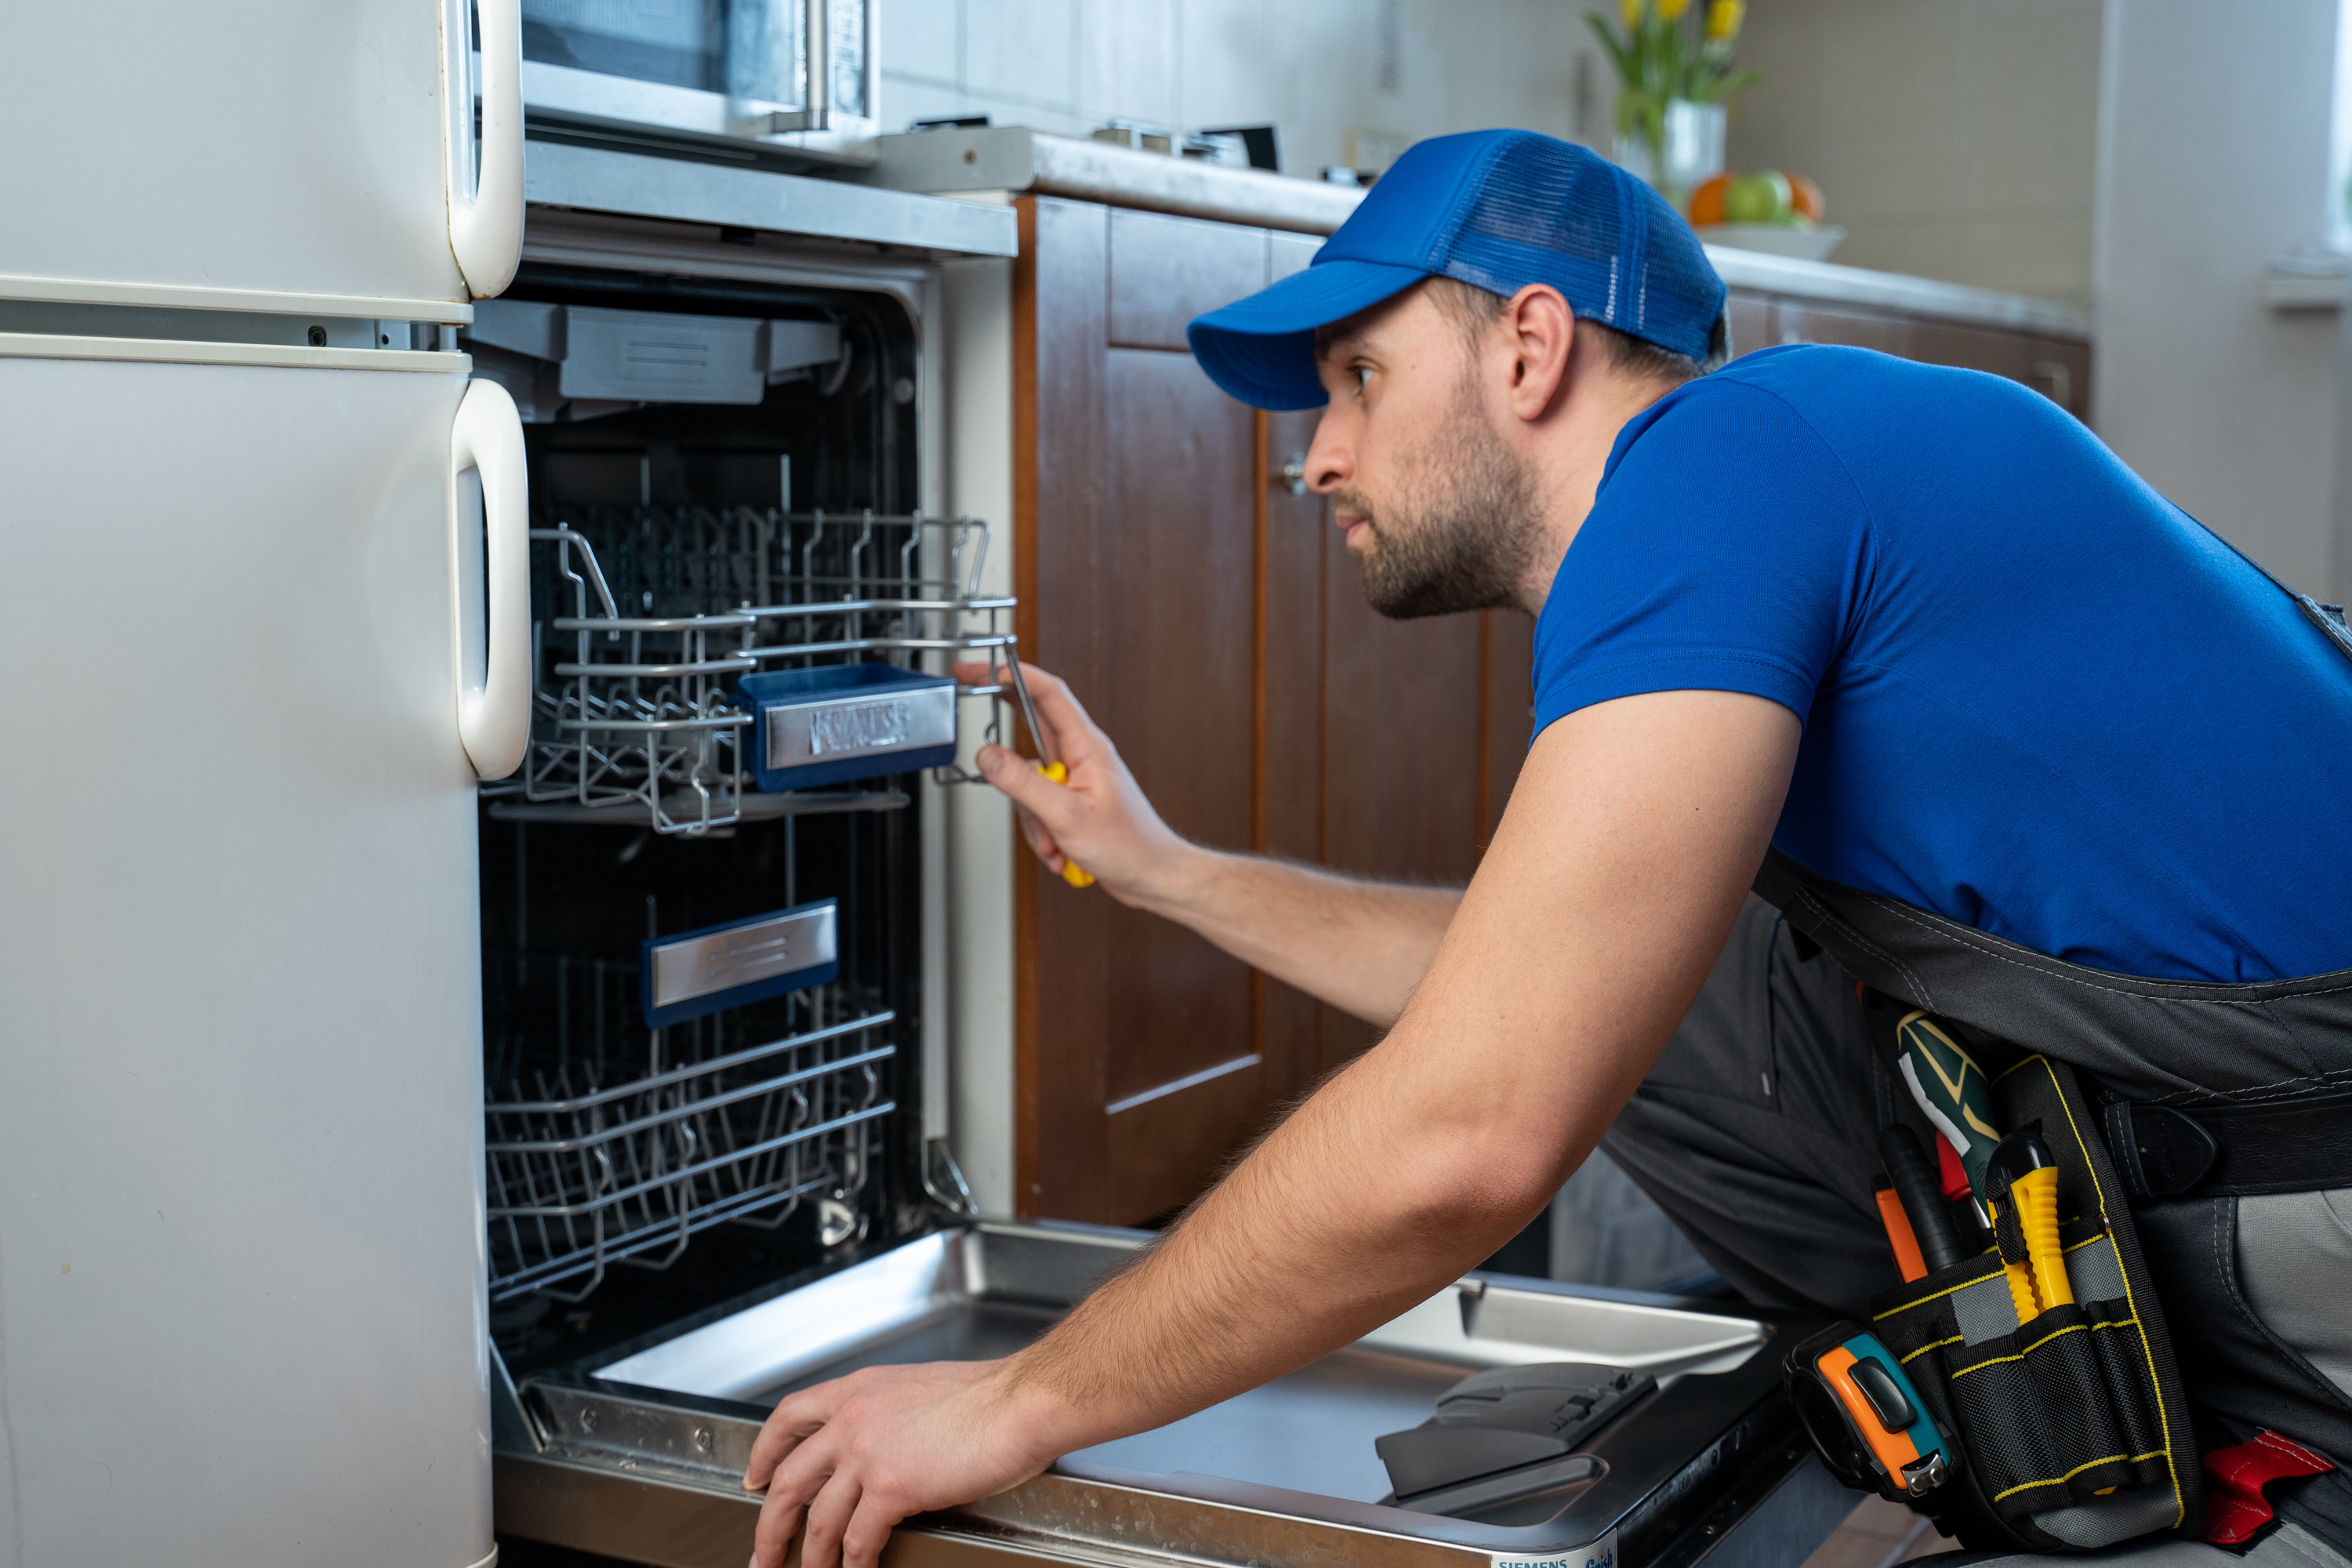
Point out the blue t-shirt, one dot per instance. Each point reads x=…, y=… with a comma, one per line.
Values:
x=2038, y=698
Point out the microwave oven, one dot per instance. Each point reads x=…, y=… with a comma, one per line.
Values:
x=798, y=78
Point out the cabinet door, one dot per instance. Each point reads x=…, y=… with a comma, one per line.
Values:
x=1294, y=529
x=2058, y=368
x=1802, y=321
x=1751, y=321
x=1401, y=732
x=1140, y=1057
x=1214, y=623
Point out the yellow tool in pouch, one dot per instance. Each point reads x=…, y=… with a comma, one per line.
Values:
x=2023, y=1182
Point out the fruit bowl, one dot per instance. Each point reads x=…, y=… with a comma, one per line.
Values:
x=1774, y=239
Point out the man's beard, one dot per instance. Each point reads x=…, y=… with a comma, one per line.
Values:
x=1462, y=537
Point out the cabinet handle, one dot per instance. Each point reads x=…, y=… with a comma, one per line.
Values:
x=816, y=44
x=493, y=717
x=2061, y=377
x=1292, y=475
x=486, y=221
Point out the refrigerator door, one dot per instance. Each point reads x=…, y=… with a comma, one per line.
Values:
x=241, y=1280
x=253, y=153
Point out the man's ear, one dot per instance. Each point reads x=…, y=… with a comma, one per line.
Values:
x=1542, y=333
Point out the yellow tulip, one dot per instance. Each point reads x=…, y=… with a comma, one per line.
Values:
x=1630, y=11
x=1723, y=17
x=1671, y=11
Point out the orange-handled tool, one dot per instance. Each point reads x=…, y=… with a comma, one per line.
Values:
x=1047, y=763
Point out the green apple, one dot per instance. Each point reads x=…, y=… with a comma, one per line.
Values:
x=1759, y=198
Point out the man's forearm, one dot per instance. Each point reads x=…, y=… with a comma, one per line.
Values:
x=1321, y=1237
x=1360, y=946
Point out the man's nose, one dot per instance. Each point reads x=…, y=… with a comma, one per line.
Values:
x=1329, y=463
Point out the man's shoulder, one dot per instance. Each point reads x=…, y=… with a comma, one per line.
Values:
x=1824, y=377
x=1875, y=416
x=1775, y=393
x=1786, y=409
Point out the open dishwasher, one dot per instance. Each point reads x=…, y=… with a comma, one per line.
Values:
x=711, y=1081
x=640, y=1452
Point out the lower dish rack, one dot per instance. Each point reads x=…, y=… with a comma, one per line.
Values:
x=609, y=1142
x=659, y=613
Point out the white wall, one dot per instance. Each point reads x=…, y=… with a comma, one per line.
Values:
x=1954, y=139
x=2213, y=149
x=1334, y=75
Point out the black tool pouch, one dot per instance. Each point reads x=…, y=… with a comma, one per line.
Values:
x=2068, y=1432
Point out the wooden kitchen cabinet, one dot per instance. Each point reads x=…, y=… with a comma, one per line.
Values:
x=2058, y=368
x=1213, y=623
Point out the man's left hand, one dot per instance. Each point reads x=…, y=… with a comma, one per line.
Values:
x=861, y=1453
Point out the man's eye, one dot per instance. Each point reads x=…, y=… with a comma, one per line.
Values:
x=1362, y=372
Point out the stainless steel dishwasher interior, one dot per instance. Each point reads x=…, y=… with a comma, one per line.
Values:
x=974, y=1295
x=1299, y=1449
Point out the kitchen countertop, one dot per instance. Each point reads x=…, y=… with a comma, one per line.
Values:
x=1017, y=160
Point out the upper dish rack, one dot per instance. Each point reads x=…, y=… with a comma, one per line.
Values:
x=667, y=607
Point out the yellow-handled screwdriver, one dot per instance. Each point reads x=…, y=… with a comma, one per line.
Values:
x=1047, y=763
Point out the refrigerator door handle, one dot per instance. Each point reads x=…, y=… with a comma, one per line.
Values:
x=493, y=716
x=486, y=208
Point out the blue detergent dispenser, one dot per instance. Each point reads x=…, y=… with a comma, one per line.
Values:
x=838, y=722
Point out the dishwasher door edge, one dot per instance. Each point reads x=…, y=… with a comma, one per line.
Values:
x=669, y=1521
x=656, y=1478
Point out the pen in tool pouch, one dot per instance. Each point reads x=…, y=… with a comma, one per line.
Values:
x=1922, y=1201
x=1907, y=1261
x=1047, y=762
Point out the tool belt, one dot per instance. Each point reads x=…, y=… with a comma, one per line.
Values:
x=2068, y=1427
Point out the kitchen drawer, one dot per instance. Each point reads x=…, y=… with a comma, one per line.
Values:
x=641, y=1455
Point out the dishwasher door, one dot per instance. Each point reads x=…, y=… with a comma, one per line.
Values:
x=641, y=1455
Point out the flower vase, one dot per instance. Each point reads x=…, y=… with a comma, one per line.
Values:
x=1688, y=153
x=1692, y=152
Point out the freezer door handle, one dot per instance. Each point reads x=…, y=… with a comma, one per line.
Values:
x=485, y=207
x=493, y=684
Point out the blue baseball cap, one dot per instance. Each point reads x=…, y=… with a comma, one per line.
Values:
x=1495, y=209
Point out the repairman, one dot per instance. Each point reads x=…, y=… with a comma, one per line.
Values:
x=2014, y=740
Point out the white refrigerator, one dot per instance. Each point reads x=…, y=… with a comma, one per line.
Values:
x=260, y=566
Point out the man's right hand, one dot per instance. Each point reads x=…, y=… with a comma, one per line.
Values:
x=1359, y=946
x=1099, y=817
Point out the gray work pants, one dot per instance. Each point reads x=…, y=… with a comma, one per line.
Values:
x=1756, y=1132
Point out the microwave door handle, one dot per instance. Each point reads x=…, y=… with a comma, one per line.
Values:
x=493, y=717
x=486, y=226
x=818, y=53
